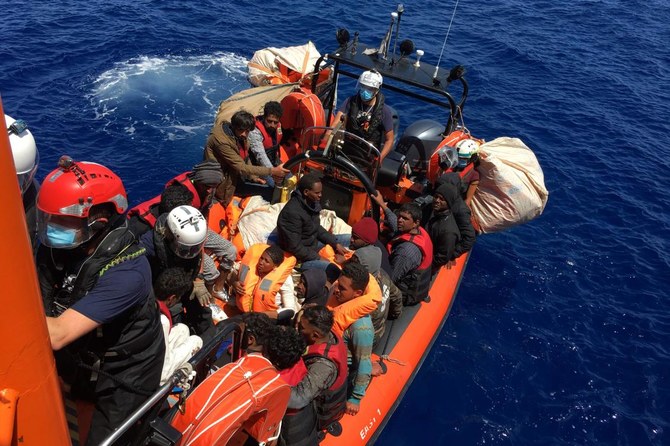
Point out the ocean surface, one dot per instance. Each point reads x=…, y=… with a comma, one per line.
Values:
x=560, y=332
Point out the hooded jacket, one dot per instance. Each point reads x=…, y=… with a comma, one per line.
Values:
x=462, y=216
x=299, y=230
x=315, y=287
x=443, y=229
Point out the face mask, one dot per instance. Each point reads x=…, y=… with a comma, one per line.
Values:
x=61, y=238
x=366, y=94
x=462, y=162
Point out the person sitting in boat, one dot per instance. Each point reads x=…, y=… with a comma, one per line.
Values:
x=461, y=213
x=265, y=139
x=442, y=227
x=411, y=255
x=299, y=230
x=366, y=114
x=93, y=274
x=365, y=232
x=171, y=285
x=356, y=294
x=199, y=182
x=311, y=288
x=228, y=145
x=26, y=159
x=177, y=241
x=327, y=369
x=390, y=307
x=264, y=282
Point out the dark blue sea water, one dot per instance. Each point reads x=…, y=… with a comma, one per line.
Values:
x=560, y=331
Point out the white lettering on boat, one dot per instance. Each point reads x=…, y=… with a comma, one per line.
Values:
x=368, y=427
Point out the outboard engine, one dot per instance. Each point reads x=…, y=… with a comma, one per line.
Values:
x=418, y=143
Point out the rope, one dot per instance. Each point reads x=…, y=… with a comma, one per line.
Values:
x=393, y=360
x=123, y=384
x=437, y=66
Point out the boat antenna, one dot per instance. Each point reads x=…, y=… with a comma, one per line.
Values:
x=400, y=10
x=386, y=41
x=437, y=66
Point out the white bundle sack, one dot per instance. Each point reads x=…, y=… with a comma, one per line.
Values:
x=264, y=65
x=511, y=187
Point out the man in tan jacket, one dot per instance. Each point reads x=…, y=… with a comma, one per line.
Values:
x=227, y=143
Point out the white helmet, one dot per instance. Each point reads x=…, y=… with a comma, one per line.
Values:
x=466, y=149
x=189, y=229
x=371, y=79
x=24, y=151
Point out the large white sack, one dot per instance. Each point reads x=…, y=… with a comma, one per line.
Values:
x=259, y=220
x=511, y=187
x=264, y=65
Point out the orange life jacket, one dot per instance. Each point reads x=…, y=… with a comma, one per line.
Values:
x=247, y=395
x=259, y=293
x=349, y=312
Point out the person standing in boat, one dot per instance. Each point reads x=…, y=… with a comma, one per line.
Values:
x=228, y=144
x=95, y=281
x=366, y=114
x=411, y=255
x=265, y=139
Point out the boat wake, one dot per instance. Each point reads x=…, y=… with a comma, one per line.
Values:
x=173, y=95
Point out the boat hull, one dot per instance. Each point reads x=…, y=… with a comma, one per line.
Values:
x=407, y=341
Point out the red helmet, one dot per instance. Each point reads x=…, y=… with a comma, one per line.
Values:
x=66, y=198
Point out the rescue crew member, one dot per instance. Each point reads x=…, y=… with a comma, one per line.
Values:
x=228, y=145
x=200, y=182
x=265, y=139
x=177, y=240
x=327, y=370
x=96, y=286
x=366, y=114
x=468, y=160
x=411, y=255
x=264, y=282
x=26, y=159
